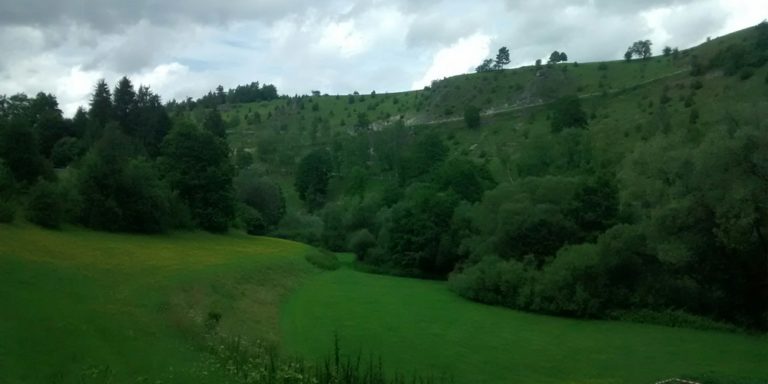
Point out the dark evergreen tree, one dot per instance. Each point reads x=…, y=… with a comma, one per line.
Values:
x=124, y=106
x=101, y=105
x=214, y=123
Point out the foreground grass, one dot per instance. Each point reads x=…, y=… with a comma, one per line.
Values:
x=83, y=306
x=420, y=325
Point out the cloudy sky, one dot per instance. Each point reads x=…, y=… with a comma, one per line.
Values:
x=184, y=48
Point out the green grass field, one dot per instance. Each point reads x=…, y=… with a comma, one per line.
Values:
x=80, y=306
x=418, y=325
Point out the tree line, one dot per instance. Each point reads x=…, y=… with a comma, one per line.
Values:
x=125, y=164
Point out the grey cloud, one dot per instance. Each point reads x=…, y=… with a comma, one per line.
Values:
x=440, y=29
x=113, y=15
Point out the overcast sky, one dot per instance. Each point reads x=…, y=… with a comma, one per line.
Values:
x=185, y=48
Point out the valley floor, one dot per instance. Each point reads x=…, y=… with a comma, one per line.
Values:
x=420, y=325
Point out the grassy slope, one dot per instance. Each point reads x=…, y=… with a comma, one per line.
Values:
x=622, y=99
x=78, y=304
x=420, y=325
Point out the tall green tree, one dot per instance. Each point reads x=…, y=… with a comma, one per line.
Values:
x=502, y=58
x=119, y=190
x=124, y=106
x=214, y=123
x=197, y=166
x=312, y=177
x=101, y=111
x=153, y=122
x=19, y=149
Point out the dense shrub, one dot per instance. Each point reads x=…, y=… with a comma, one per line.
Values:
x=7, y=211
x=305, y=228
x=45, y=206
x=7, y=191
x=261, y=194
x=65, y=151
x=472, y=116
x=252, y=220
x=361, y=243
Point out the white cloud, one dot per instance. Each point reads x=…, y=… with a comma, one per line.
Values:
x=343, y=37
x=458, y=58
x=75, y=88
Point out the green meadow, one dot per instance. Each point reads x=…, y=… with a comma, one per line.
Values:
x=88, y=307
x=84, y=306
x=416, y=324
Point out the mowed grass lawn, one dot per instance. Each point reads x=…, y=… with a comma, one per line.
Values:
x=78, y=306
x=421, y=326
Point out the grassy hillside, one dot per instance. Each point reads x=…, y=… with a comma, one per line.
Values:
x=88, y=307
x=418, y=324
x=622, y=100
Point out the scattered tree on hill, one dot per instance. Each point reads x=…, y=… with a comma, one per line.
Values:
x=667, y=51
x=640, y=48
x=557, y=57
x=502, y=58
x=486, y=66
x=538, y=63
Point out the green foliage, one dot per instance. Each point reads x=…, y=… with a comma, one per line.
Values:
x=197, y=166
x=424, y=156
x=7, y=192
x=261, y=194
x=472, y=116
x=65, y=151
x=300, y=227
x=465, y=178
x=214, y=123
x=567, y=113
x=252, y=220
x=7, y=211
x=101, y=111
x=45, y=205
x=19, y=150
x=418, y=235
x=312, y=177
x=568, y=285
x=640, y=48
x=485, y=66
x=502, y=58
x=124, y=106
x=361, y=242
x=121, y=192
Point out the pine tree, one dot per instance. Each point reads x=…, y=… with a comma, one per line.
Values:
x=101, y=104
x=124, y=106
